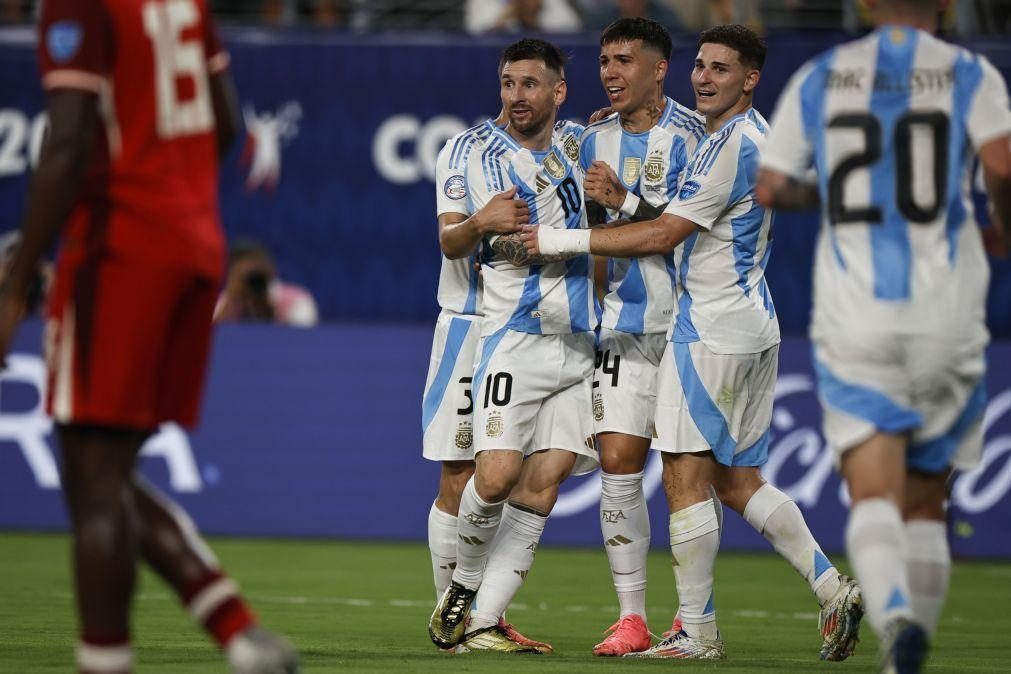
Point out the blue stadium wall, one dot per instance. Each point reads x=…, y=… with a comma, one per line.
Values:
x=317, y=433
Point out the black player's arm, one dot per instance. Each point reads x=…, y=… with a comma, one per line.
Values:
x=512, y=249
x=778, y=190
x=226, y=109
x=73, y=124
x=995, y=156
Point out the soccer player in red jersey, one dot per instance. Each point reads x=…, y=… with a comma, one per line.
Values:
x=141, y=106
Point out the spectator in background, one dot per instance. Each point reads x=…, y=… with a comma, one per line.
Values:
x=601, y=13
x=510, y=16
x=253, y=291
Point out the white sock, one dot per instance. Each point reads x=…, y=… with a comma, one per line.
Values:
x=694, y=542
x=476, y=526
x=928, y=563
x=113, y=658
x=774, y=515
x=442, y=546
x=509, y=561
x=624, y=523
x=876, y=542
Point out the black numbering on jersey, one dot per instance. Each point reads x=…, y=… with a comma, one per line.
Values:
x=498, y=389
x=937, y=124
x=605, y=364
x=464, y=411
x=568, y=193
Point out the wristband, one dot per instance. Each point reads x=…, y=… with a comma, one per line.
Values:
x=562, y=241
x=629, y=205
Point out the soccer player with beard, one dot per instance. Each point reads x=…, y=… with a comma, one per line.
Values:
x=531, y=387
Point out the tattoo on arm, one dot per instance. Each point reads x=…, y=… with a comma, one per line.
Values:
x=646, y=212
x=511, y=248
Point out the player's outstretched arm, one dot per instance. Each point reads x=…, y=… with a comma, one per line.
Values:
x=995, y=157
x=653, y=237
x=778, y=190
x=459, y=236
x=73, y=123
x=226, y=109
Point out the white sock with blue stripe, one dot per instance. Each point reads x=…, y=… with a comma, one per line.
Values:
x=694, y=542
x=774, y=515
x=928, y=563
x=876, y=542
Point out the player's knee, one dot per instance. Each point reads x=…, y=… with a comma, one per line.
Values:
x=735, y=487
x=621, y=463
x=494, y=487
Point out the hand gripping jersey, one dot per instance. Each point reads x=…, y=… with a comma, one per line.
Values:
x=890, y=122
x=640, y=297
x=150, y=188
x=553, y=298
x=459, y=281
x=725, y=300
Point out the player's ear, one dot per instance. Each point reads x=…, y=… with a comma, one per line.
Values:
x=660, y=70
x=561, y=89
x=751, y=80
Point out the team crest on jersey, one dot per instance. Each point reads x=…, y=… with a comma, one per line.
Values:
x=455, y=188
x=571, y=147
x=63, y=39
x=653, y=170
x=495, y=426
x=598, y=408
x=630, y=170
x=689, y=190
x=464, y=436
x=553, y=166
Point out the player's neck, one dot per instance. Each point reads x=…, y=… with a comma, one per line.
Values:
x=644, y=117
x=920, y=21
x=716, y=122
x=538, y=141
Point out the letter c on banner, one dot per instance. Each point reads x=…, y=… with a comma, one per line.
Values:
x=386, y=156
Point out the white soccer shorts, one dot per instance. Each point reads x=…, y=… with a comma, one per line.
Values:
x=934, y=389
x=447, y=408
x=716, y=402
x=532, y=392
x=624, y=382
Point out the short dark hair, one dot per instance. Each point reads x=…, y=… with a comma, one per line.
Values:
x=740, y=38
x=651, y=33
x=532, y=49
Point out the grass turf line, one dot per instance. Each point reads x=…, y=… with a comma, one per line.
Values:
x=352, y=606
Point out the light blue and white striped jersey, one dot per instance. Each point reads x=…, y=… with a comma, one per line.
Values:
x=724, y=300
x=640, y=294
x=554, y=298
x=890, y=124
x=459, y=281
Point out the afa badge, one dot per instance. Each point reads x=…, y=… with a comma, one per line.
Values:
x=494, y=427
x=571, y=147
x=455, y=188
x=688, y=190
x=653, y=170
x=464, y=436
x=598, y=408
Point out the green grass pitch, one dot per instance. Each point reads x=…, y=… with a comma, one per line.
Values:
x=364, y=606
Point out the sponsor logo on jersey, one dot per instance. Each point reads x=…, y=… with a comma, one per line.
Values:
x=553, y=166
x=63, y=40
x=689, y=190
x=455, y=187
x=571, y=147
x=653, y=170
x=630, y=170
x=494, y=427
x=464, y=436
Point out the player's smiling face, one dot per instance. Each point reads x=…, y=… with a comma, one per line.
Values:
x=630, y=74
x=721, y=82
x=531, y=94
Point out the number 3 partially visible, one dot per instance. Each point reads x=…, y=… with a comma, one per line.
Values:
x=174, y=59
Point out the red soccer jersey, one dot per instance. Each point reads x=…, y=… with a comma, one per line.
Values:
x=150, y=190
